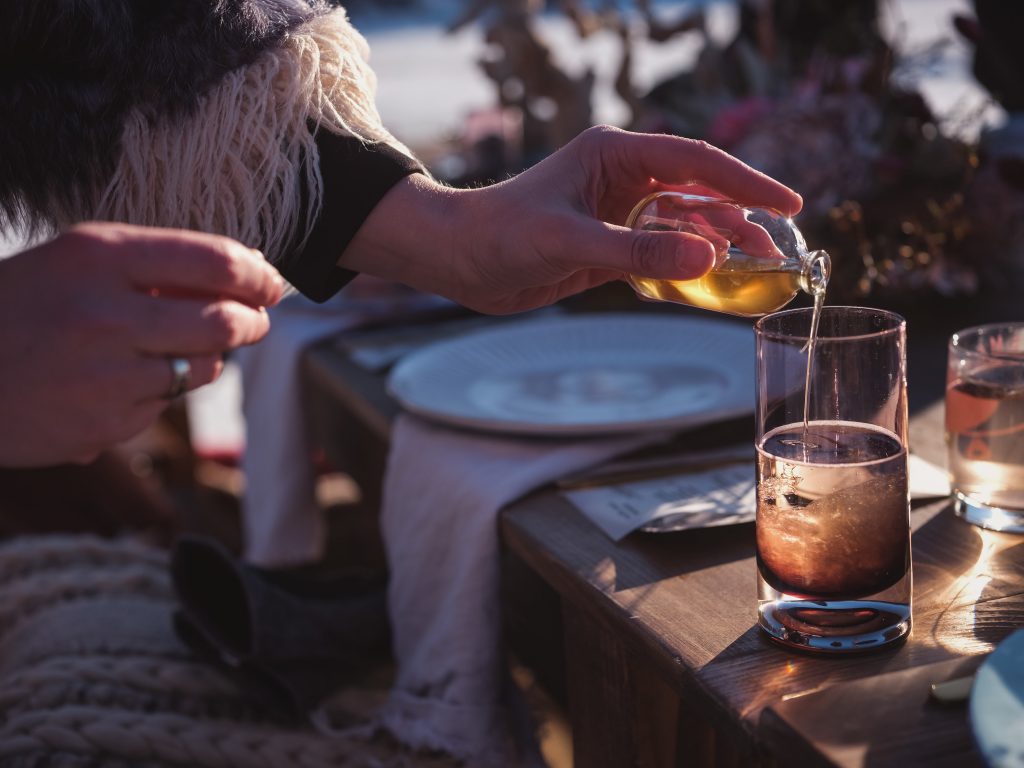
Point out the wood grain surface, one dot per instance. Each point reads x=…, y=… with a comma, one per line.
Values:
x=663, y=662
x=686, y=604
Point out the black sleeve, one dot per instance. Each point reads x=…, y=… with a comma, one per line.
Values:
x=355, y=178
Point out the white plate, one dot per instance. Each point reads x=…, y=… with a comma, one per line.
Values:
x=997, y=709
x=581, y=375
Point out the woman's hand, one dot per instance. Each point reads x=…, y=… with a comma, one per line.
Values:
x=89, y=324
x=557, y=228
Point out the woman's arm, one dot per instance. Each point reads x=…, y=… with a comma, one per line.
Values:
x=556, y=228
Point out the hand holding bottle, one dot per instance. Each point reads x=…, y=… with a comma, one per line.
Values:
x=555, y=229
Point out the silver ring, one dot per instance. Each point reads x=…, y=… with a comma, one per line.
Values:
x=181, y=375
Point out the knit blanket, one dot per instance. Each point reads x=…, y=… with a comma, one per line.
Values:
x=92, y=674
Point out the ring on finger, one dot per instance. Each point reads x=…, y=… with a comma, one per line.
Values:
x=181, y=377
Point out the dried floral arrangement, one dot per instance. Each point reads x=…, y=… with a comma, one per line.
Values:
x=808, y=91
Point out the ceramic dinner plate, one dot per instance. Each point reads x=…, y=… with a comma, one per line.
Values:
x=583, y=375
x=997, y=704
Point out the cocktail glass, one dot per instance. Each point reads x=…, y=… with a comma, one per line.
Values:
x=985, y=425
x=833, y=509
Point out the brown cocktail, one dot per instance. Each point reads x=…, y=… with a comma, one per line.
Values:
x=833, y=526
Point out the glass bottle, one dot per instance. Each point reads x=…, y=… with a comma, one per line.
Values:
x=761, y=259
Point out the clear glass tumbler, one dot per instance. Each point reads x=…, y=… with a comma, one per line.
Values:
x=833, y=507
x=985, y=425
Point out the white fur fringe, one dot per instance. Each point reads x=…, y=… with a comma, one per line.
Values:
x=236, y=164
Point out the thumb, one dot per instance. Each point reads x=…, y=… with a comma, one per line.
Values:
x=661, y=255
x=670, y=255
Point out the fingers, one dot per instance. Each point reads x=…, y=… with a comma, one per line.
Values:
x=181, y=262
x=674, y=160
x=754, y=240
x=717, y=237
x=748, y=236
x=666, y=255
x=721, y=225
x=156, y=375
x=184, y=326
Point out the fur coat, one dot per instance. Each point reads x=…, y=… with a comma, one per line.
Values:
x=197, y=114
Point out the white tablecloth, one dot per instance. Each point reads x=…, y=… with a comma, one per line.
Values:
x=442, y=492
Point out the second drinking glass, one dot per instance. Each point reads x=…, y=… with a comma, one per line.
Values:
x=833, y=509
x=985, y=425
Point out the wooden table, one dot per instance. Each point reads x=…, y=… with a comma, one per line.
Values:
x=663, y=662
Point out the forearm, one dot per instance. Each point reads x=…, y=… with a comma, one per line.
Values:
x=555, y=229
x=355, y=178
x=411, y=236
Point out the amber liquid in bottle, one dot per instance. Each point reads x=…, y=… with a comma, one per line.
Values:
x=750, y=292
x=742, y=282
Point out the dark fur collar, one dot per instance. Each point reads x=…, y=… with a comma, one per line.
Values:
x=70, y=70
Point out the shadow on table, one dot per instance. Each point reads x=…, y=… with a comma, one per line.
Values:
x=968, y=597
x=958, y=564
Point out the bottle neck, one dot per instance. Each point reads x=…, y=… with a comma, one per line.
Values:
x=815, y=269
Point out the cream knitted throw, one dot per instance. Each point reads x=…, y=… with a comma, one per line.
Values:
x=91, y=674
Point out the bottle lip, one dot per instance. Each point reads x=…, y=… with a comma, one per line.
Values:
x=815, y=272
